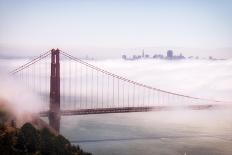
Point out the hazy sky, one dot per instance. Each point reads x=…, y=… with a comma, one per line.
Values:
x=111, y=27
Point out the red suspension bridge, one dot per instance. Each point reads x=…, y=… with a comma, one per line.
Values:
x=76, y=87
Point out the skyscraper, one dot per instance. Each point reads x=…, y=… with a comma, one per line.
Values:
x=169, y=54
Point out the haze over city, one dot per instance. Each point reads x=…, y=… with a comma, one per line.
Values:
x=107, y=29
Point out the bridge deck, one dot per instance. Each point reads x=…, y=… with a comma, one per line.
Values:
x=127, y=109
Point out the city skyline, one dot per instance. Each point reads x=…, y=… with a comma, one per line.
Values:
x=170, y=55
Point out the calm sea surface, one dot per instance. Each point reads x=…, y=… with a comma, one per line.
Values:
x=153, y=133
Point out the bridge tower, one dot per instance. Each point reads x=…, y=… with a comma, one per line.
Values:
x=54, y=111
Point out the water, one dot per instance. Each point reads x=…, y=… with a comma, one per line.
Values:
x=182, y=132
x=175, y=133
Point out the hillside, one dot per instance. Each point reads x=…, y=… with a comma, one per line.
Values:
x=32, y=138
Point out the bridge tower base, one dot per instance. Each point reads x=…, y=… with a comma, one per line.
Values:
x=54, y=111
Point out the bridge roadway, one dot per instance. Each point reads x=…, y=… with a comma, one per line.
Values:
x=129, y=109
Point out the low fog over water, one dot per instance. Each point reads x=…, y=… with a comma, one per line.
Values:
x=180, y=132
x=200, y=78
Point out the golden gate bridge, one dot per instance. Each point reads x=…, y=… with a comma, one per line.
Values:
x=68, y=85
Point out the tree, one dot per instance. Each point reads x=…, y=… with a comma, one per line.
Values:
x=30, y=137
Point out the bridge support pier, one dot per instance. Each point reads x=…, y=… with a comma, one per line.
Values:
x=54, y=111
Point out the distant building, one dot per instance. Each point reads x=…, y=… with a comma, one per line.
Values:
x=158, y=56
x=124, y=57
x=169, y=54
x=180, y=56
x=135, y=57
x=143, y=54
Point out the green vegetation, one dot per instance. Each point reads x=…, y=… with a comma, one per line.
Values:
x=28, y=140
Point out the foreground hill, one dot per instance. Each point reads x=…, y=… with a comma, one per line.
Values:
x=31, y=138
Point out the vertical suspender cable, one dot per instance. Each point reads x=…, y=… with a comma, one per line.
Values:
x=148, y=97
x=75, y=94
x=108, y=89
x=63, y=81
x=133, y=95
x=113, y=91
x=86, y=82
x=75, y=85
x=102, y=89
x=34, y=79
x=91, y=88
x=39, y=75
x=81, y=86
x=46, y=82
x=138, y=92
x=118, y=92
x=123, y=82
x=69, y=86
x=97, y=90
x=152, y=97
x=143, y=96
x=128, y=95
